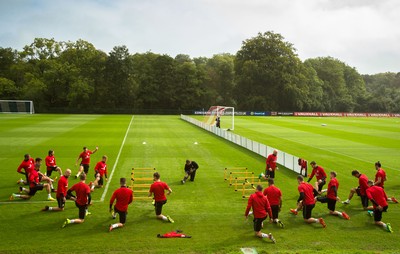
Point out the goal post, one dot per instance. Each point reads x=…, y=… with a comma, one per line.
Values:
x=225, y=114
x=16, y=107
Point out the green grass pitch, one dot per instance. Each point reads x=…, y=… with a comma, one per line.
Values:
x=208, y=209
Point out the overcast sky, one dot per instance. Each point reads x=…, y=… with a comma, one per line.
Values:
x=365, y=34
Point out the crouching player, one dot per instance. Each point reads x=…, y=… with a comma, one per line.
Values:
x=332, y=197
x=124, y=197
x=274, y=196
x=34, y=185
x=320, y=174
x=61, y=195
x=82, y=200
x=378, y=198
x=261, y=209
x=190, y=170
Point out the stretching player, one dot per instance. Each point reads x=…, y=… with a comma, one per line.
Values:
x=271, y=165
x=320, y=174
x=274, y=196
x=61, y=195
x=34, y=186
x=82, y=200
x=378, y=198
x=307, y=200
x=332, y=197
x=380, y=178
x=27, y=164
x=261, y=209
x=174, y=234
x=85, y=160
x=51, y=164
x=100, y=171
x=190, y=170
x=124, y=197
x=158, y=189
x=303, y=166
x=360, y=190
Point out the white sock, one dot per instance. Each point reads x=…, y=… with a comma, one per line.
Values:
x=50, y=208
x=49, y=195
x=51, y=186
x=114, y=225
x=263, y=235
x=316, y=220
x=384, y=225
x=17, y=195
x=71, y=221
x=340, y=214
x=164, y=218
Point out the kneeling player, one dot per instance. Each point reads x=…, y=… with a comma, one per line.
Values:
x=274, y=196
x=82, y=200
x=261, y=209
x=61, y=192
x=332, y=197
x=378, y=198
x=307, y=200
x=124, y=197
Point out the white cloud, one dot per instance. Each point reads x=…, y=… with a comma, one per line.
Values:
x=362, y=33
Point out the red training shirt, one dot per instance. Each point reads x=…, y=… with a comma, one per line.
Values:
x=124, y=197
x=319, y=173
x=331, y=194
x=85, y=156
x=62, y=187
x=308, y=191
x=260, y=205
x=377, y=194
x=33, y=178
x=27, y=166
x=82, y=191
x=273, y=194
x=382, y=174
x=271, y=161
x=363, y=183
x=158, y=189
x=101, y=168
x=50, y=161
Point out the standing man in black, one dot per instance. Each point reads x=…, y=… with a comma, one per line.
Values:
x=190, y=170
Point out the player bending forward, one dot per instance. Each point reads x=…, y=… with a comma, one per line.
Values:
x=320, y=174
x=307, y=200
x=332, y=197
x=274, y=196
x=190, y=170
x=124, y=197
x=380, y=179
x=261, y=209
x=82, y=200
x=378, y=198
x=361, y=190
x=61, y=195
x=158, y=189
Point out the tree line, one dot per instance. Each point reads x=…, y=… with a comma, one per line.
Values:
x=265, y=74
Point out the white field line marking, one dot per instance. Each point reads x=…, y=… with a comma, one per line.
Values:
x=105, y=189
x=116, y=162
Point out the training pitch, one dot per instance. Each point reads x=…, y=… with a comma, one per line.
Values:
x=207, y=209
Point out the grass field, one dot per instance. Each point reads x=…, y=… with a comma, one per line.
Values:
x=208, y=209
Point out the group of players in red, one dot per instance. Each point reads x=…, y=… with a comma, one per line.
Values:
x=269, y=202
x=122, y=197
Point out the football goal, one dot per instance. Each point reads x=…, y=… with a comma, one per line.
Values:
x=221, y=116
x=16, y=106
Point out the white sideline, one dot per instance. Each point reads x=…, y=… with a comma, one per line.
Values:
x=116, y=162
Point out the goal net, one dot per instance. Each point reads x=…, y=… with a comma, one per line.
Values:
x=16, y=106
x=221, y=116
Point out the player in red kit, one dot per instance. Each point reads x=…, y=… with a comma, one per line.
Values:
x=85, y=160
x=320, y=174
x=61, y=195
x=360, y=190
x=158, y=189
x=261, y=209
x=124, y=197
x=274, y=196
x=332, y=197
x=378, y=198
x=27, y=165
x=271, y=165
x=51, y=164
x=307, y=200
x=34, y=186
x=380, y=178
x=100, y=171
x=82, y=200
x=303, y=166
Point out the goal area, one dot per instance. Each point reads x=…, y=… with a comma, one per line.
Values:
x=16, y=107
x=220, y=116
